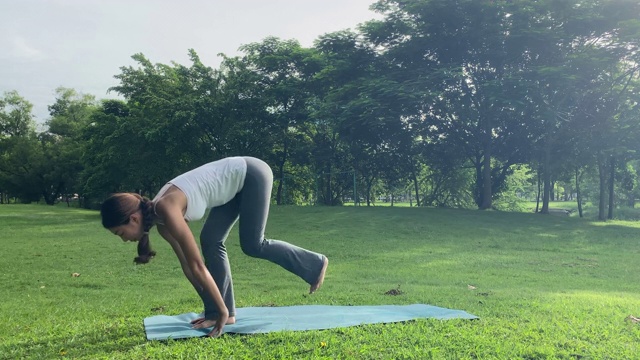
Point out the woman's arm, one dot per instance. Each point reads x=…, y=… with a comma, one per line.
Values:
x=206, y=301
x=164, y=232
x=177, y=230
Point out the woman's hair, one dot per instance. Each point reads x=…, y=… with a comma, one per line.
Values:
x=117, y=210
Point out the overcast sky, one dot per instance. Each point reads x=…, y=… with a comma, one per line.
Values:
x=82, y=44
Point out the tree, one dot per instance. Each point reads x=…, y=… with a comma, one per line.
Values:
x=62, y=144
x=283, y=69
x=362, y=103
x=460, y=62
x=577, y=51
x=17, y=147
x=168, y=126
x=108, y=163
x=16, y=118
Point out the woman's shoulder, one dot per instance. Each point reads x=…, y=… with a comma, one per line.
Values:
x=169, y=201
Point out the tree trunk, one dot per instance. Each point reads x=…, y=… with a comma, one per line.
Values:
x=546, y=192
x=602, y=174
x=578, y=195
x=477, y=196
x=279, y=188
x=612, y=172
x=369, y=185
x=538, y=194
x=486, y=177
x=415, y=186
x=329, y=187
x=546, y=175
x=48, y=198
x=281, y=171
x=552, y=191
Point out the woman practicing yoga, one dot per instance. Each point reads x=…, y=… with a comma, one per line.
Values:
x=233, y=188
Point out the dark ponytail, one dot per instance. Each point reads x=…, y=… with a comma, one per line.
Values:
x=117, y=210
x=145, y=253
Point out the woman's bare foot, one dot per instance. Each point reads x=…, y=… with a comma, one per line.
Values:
x=318, y=283
x=231, y=320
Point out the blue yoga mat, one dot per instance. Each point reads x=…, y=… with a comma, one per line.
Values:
x=253, y=320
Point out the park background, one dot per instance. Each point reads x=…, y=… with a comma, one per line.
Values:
x=437, y=109
x=479, y=105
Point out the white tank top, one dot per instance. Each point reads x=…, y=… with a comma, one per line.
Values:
x=209, y=185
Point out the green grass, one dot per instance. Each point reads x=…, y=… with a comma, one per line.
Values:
x=545, y=286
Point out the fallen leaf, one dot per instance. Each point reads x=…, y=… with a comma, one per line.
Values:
x=42, y=287
x=633, y=319
x=159, y=308
x=471, y=287
x=75, y=274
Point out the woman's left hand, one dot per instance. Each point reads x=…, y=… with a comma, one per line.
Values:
x=203, y=323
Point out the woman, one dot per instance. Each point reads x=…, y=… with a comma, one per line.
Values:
x=233, y=188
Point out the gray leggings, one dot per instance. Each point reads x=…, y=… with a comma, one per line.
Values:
x=251, y=206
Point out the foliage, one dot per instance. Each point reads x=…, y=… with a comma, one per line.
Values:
x=518, y=190
x=20, y=153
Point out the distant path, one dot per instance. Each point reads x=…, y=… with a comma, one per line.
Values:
x=560, y=212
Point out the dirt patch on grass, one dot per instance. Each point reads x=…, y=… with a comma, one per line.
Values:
x=394, y=292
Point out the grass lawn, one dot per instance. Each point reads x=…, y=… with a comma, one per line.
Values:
x=543, y=286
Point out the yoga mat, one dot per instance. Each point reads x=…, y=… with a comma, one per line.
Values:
x=253, y=320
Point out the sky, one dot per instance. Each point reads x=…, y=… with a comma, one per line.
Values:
x=82, y=44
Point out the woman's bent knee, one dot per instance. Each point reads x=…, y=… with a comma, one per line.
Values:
x=253, y=250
